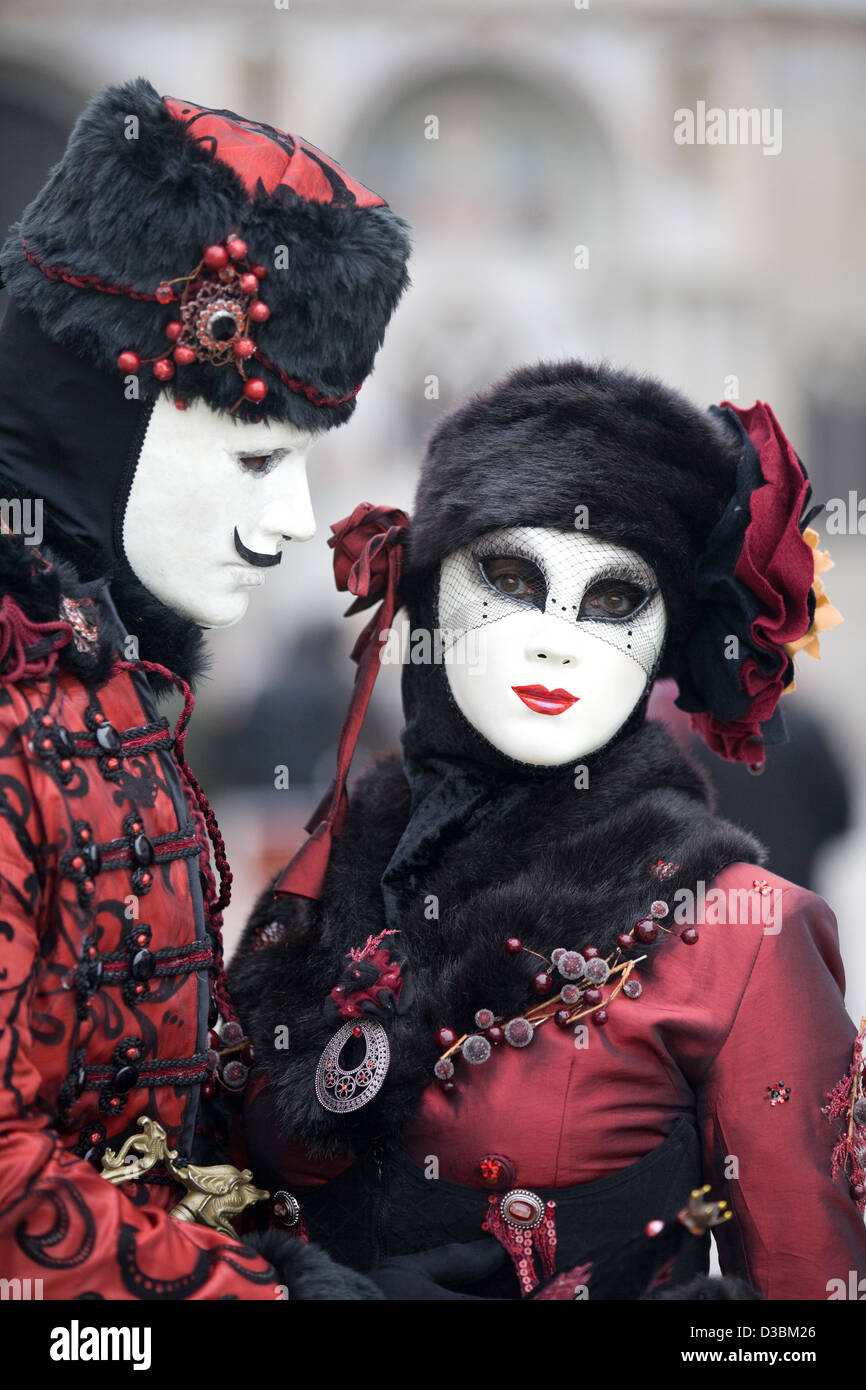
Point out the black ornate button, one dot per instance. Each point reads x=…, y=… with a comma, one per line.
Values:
x=108, y=738
x=143, y=965
x=142, y=851
x=92, y=858
x=64, y=739
x=125, y=1078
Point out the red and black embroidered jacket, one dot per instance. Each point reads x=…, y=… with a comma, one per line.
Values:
x=109, y=943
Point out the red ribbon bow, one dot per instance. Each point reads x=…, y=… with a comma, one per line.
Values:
x=368, y=552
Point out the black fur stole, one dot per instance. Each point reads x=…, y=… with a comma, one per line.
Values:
x=564, y=868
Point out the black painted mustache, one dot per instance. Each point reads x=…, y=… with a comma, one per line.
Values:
x=253, y=557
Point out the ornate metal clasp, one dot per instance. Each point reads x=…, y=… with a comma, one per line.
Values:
x=214, y=1194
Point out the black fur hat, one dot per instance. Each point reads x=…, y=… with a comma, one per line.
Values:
x=145, y=185
x=653, y=472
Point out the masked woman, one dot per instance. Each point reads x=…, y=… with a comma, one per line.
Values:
x=526, y=981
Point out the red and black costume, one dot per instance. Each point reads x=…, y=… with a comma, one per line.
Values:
x=113, y=998
x=714, y=1060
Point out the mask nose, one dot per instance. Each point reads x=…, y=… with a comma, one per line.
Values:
x=289, y=514
x=551, y=644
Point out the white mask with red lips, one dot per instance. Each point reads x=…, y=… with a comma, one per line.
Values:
x=210, y=505
x=566, y=634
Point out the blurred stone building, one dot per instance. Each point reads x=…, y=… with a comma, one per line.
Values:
x=531, y=145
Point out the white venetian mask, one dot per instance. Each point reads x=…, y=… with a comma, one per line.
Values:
x=211, y=502
x=566, y=632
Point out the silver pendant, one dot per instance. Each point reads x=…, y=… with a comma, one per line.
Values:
x=341, y=1089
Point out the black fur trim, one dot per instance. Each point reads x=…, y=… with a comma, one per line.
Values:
x=135, y=211
x=308, y=1272
x=566, y=870
x=163, y=635
x=37, y=580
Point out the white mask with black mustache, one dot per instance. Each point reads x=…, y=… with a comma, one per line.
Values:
x=550, y=639
x=211, y=503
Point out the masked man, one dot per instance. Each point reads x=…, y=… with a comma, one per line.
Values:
x=194, y=297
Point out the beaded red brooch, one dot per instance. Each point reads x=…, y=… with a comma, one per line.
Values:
x=219, y=304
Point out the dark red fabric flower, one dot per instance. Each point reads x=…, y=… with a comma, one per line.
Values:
x=366, y=546
x=754, y=582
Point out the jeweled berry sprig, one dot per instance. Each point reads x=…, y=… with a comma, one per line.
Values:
x=580, y=996
x=219, y=304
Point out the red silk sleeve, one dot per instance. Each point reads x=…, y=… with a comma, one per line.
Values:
x=60, y=1222
x=796, y=1229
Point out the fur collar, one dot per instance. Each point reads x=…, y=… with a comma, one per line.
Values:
x=37, y=579
x=554, y=870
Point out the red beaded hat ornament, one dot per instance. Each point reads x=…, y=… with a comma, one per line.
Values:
x=219, y=306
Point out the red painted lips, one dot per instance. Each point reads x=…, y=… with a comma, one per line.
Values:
x=544, y=701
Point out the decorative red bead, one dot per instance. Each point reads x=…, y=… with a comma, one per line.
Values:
x=445, y=1038
x=357, y=1031
x=255, y=389
x=183, y=356
x=164, y=293
x=513, y=945
x=248, y=283
x=689, y=936
x=599, y=1017
x=590, y=952
x=562, y=1018
x=448, y=1087
x=541, y=983
x=625, y=941
x=78, y=862
x=181, y=405
x=207, y=1089
x=215, y=257
x=592, y=996
x=65, y=764
x=129, y=361
x=259, y=311
x=243, y=347
x=173, y=330
x=163, y=370
x=46, y=721
x=645, y=931
x=494, y=1034
x=858, y=1191
x=237, y=248
x=654, y=1228
x=259, y=271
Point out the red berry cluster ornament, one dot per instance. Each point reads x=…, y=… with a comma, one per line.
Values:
x=218, y=306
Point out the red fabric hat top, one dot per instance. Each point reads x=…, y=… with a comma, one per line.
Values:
x=264, y=158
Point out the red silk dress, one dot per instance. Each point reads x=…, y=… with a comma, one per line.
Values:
x=753, y=1003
